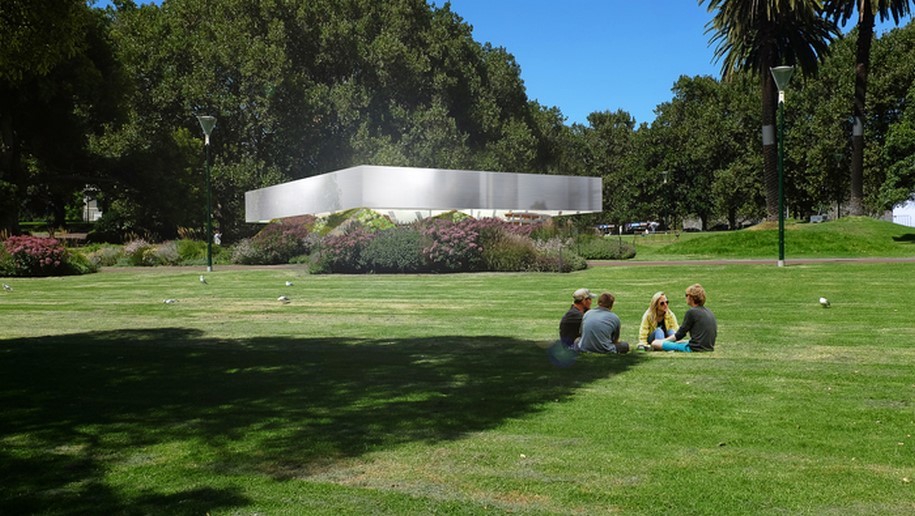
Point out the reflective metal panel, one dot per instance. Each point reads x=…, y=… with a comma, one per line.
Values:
x=419, y=192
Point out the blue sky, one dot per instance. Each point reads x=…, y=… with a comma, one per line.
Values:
x=595, y=55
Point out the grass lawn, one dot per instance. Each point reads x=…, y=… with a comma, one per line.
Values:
x=433, y=393
x=849, y=237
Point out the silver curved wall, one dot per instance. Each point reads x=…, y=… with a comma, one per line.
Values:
x=409, y=193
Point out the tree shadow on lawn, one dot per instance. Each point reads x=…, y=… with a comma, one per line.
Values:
x=908, y=237
x=76, y=406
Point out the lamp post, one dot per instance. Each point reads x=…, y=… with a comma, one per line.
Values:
x=781, y=75
x=207, y=123
x=670, y=224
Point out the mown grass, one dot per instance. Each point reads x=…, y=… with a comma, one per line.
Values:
x=433, y=393
x=849, y=237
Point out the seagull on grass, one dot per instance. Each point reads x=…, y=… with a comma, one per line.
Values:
x=170, y=301
x=824, y=302
x=288, y=283
x=203, y=279
x=283, y=299
x=7, y=288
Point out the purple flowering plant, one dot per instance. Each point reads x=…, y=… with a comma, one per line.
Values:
x=341, y=252
x=453, y=246
x=36, y=256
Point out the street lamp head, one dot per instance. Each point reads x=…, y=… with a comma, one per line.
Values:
x=782, y=75
x=207, y=123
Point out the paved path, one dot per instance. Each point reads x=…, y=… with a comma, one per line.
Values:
x=591, y=263
x=788, y=262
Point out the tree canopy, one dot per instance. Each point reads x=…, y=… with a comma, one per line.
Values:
x=299, y=88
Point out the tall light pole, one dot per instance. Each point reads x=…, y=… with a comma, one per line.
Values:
x=782, y=75
x=670, y=223
x=207, y=123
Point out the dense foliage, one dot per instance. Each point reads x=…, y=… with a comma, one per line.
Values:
x=276, y=243
x=305, y=87
x=438, y=245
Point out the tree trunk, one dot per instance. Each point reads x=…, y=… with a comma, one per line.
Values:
x=862, y=64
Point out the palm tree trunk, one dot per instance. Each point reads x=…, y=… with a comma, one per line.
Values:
x=862, y=64
x=770, y=145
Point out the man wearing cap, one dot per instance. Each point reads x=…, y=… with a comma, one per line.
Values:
x=600, y=329
x=570, y=325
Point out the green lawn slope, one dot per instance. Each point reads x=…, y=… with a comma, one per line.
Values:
x=849, y=237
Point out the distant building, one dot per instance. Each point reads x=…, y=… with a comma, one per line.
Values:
x=905, y=214
x=91, y=212
x=407, y=194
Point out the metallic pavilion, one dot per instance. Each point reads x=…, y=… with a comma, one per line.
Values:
x=407, y=194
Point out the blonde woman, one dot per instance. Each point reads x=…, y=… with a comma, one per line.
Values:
x=658, y=323
x=699, y=322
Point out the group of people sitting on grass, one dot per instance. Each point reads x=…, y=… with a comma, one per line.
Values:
x=597, y=329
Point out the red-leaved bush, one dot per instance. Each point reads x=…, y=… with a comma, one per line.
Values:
x=278, y=242
x=341, y=253
x=461, y=246
x=36, y=256
x=453, y=246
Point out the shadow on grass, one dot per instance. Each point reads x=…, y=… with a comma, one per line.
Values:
x=78, y=406
x=908, y=237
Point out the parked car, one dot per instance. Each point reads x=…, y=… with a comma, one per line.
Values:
x=641, y=227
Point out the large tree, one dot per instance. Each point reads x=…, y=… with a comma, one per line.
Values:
x=304, y=87
x=756, y=35
x=697, y=138
x=58, y=86
x=868, y=11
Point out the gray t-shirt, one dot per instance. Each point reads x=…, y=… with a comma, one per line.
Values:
x=702, y=327
x=600, y=328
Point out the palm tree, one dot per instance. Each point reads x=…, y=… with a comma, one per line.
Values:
x=755, y=35
x=868, y=10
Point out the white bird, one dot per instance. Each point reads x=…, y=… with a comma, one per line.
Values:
x=824, y=302
x=283, y=299
x=7, y=288
x=288, y=283
x=203, y=279
x=170, y=301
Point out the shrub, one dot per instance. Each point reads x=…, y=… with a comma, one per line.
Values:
x=78, y=263
x=244, y=252
x=549, y=229
x=452, y=216
x=452, y=246
x=103, y=255
x=194, y=252
x=7, y=267
x=342, y=253
x=190, y=251
x=394, y=250
x=278, y=242
x=556, y=255
x=36, y=256
x=504, y=251
x=139, y=252
x=600, y=248
x=339, y=223
x=372, y=220
x=166, y=253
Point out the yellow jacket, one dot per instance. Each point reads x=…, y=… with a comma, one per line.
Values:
x=646, y=328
